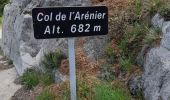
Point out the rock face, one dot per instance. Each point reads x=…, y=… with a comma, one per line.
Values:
x=18, y=42
x=156, y=77
x=95, y=47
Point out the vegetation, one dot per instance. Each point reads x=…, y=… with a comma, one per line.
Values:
x=138, y=9
x=110, y=54
x=95, y=91
x=136, y=33
x=153, y=36
x=106, y=72
x=45, y=95
x=30, y=79
x=126, y=64
x=52, y=60
x=65, y=93
x=106, y=92
x=151, y=7
x=2, y=4
x=47, y=79
x=33, y=77
x=131, y=35
x=165, y=12
x=131, y=43
x=0, y=21
x=10, y=62
x=1, y=51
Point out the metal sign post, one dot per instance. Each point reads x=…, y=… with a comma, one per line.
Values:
x=72, y=68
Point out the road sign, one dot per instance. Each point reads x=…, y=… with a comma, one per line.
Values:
x=62, y=22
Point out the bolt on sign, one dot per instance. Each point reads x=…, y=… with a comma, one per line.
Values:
x=62, y=22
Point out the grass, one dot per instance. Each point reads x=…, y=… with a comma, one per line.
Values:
x=106, y=72
x=45, y=95
x=106, y=92
x=64, y=94
x=126, y=64
x=52, y=60
x=131, y=41
x=30, y=79
x=2, y=5
x=96, y=91
x=0, y=21
x=47, y=79
x=84, y=91
x=150, y=38
x=152, y=6
x=153, y=36
x=130, y=44
x=110, y=54
x=164, y=11
x=9, y=61
x=1, y=51
x=138, y=8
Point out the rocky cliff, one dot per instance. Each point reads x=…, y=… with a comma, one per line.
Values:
x=18, y=42
x=155, y=81
x=156, y=77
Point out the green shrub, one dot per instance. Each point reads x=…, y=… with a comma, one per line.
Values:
x=152, y=6
x=157, y=30
x=153, y=36
x=45, y=95
x=10, y=62
x=0, y=21
x=106, y=72
x=30, y=78
x=126, y=64
x=131, y=42
x=106, y=92
x=52, y=60
x=123, y=46
x=150, y=38
x=164, y=11
x=133, y=32
x=2, y=4
x=138, y=8
x=47, y=79
x=111, y=56
x=1, y=51
x=84, y=91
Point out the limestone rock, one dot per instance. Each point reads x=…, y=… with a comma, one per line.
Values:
x=18, y=42
x=95, y=47
x=155, y=80
x=166, y=41
x=59, y=78
x=141, y=55
x=157, y=20
x=156, y=77
x=157, y=69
